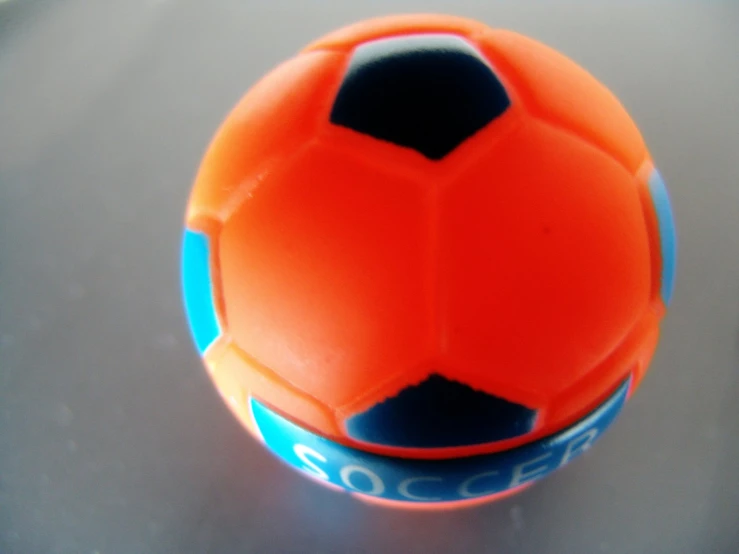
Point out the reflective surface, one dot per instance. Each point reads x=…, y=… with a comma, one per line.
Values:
x=111, y=437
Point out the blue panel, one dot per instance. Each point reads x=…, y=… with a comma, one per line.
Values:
x=440, y=413
x=423, y=481
x=668, y=243
x=198, y=289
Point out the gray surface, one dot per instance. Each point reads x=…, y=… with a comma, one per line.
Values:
x=111, y=438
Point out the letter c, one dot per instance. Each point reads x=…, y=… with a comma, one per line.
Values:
x=464, y=488
x=405, y=484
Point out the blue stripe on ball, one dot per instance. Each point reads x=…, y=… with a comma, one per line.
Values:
x=429, y=481
x=197, y=289
x=668, y=243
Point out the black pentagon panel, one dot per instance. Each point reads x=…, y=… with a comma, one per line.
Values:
x=428, y=92
x=440, y=413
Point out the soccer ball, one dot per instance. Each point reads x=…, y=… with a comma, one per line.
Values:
x=426, y=261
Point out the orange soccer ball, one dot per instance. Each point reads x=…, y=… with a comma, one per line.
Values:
x=430, y=252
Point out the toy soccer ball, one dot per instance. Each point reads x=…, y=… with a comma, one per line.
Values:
x=426, y=261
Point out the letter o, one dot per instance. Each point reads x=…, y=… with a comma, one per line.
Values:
x=378, y=487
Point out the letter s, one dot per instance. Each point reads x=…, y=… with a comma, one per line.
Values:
x=302, y=452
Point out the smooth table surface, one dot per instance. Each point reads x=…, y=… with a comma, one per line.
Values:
x=112, y=439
